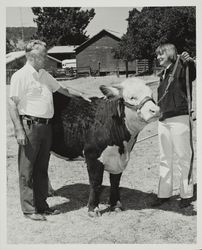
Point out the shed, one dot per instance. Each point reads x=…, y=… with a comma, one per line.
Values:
x=62, y=52
x=53, y=63
x=96, y=55
x=17, y=59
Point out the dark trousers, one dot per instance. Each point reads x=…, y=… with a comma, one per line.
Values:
x=33, y=160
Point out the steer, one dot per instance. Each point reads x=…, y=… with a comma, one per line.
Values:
x=104, y=132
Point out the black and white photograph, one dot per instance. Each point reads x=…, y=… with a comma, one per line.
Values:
x=101, y=130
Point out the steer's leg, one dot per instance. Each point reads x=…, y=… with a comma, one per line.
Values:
x=114, y=192
x=51, y=191
x=95, y=172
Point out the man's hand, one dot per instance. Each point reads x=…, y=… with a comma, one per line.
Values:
x=71, y=93
x=186, y=57
x=85, y=98
x=21, y=137
x=18, y=126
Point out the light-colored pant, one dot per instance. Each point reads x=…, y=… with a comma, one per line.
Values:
x=174, y=136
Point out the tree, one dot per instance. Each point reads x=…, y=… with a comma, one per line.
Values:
x=125, y=50
x=155, y=25
x=62, y=26
x=9, y=46
x=181, y=29
x=20, y=45
x=14, y=37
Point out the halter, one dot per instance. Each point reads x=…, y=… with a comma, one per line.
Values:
x=141, y=104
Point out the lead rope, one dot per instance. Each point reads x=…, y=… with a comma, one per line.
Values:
x=170, y=80
x=190, y=122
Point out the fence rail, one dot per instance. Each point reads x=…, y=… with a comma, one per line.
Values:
x=83, y=71
x=142, y=65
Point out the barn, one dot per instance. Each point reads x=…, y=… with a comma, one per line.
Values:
x=97, y=57
x=16, y=60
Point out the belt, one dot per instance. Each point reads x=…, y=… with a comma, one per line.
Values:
x=36, y=120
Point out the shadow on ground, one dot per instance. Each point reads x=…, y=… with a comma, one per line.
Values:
x=77, y=194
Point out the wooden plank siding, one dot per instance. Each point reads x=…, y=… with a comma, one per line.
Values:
x=142, y=65
x=99, y=57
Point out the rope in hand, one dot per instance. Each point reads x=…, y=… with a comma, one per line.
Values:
x=190, y=122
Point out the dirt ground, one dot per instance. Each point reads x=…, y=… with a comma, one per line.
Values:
x=137, y=224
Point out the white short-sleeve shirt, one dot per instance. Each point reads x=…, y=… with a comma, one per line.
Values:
x=34, y=90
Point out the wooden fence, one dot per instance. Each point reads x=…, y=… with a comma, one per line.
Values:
x=83, y=71
x=142, y=66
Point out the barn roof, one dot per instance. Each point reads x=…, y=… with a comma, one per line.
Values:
x=96, y=37
x=54, y=59
x=61, y=49
x=115, y=33
x=12, y=56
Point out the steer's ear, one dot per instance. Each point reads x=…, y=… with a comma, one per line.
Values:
x=110, y=92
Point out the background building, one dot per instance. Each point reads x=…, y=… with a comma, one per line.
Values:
x=96, y=55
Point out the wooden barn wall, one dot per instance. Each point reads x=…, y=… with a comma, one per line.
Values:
x=51, y=64
x=99, y=54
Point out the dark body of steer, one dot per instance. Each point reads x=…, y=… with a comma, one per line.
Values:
x=104, y=131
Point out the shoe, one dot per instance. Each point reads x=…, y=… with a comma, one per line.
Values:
x=159, y=202
x=38, y=217
x=185, y=202
x=50, y=211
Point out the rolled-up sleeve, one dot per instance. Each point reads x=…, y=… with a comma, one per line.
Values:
x=52, y=82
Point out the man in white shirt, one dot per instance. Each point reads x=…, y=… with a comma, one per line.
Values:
x=31, y=109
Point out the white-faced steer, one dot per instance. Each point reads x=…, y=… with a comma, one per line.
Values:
x=104, y=131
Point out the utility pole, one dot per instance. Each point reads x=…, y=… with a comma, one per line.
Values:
x=21, y=24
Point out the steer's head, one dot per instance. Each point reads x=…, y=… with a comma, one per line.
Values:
x=140, y=108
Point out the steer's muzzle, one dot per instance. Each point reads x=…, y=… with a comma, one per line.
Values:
x=154, y=113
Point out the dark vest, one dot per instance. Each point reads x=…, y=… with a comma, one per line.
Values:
x=175, y=101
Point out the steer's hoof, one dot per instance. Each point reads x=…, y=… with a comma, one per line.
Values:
x=95, y=213
x=117, y=208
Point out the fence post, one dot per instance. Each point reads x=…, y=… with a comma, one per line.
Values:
x=136, y=65
x=99, y=68
x=117, y=71
x=126, y=63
